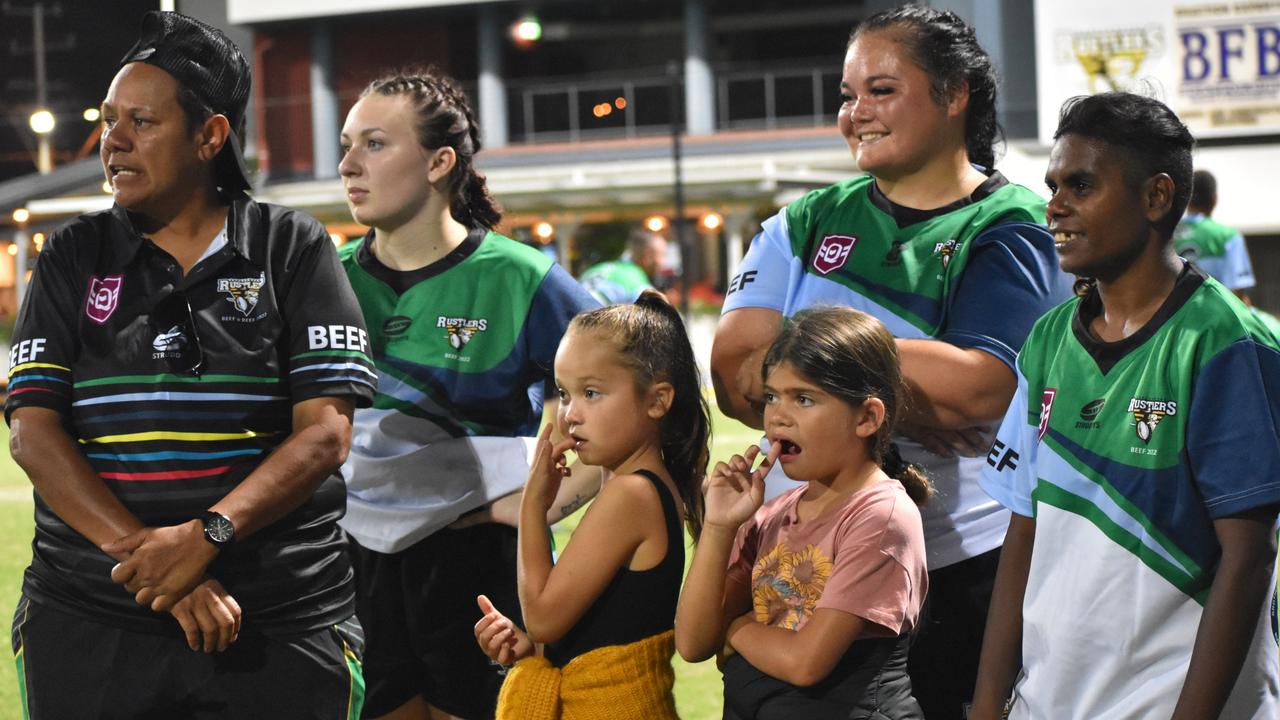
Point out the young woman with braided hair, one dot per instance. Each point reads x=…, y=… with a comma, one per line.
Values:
x=463, y=327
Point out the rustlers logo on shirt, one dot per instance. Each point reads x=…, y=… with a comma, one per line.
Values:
x=944, y=250
x=242, y=293
x=833, y=253
x=461, y=330
x=1148, y=413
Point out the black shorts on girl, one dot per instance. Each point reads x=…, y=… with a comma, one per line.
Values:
x=870, y=681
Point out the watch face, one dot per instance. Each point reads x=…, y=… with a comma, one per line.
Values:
x=219, y=529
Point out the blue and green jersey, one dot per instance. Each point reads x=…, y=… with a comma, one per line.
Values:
x=616, y=281
x=1217, y=249
x=975, y=273
x=1125, y=453
x=463, y=349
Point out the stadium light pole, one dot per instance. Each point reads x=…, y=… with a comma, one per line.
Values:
x=42, y=121
x=20, y=239
x=678, y=220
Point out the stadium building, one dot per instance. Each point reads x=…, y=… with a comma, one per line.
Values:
x=578, y=100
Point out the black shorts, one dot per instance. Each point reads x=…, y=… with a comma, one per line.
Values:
x=944, y=659
x=418, y=609
x=73, y=667
x=870, y=681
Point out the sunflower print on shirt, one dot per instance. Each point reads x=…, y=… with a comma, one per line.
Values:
x=785, y=585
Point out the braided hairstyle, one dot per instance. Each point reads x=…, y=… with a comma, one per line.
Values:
x=851, y=355
x=445, y=119
x=941, y=44
x=651, y=341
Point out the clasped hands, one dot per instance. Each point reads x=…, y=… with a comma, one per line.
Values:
x=165, y=569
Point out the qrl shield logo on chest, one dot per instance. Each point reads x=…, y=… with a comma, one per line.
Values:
x=833, y=252
x=1046, y=409
x=103, y=297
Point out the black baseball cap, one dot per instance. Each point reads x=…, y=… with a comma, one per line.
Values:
x=206, y=62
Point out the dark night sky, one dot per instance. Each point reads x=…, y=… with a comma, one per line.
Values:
x=85, y=44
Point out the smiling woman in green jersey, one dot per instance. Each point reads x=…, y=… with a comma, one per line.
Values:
x=951, y=257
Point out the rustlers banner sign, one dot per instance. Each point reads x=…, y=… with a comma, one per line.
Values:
x=1216, y=63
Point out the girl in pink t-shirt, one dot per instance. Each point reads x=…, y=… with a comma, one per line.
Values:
x=825, y=582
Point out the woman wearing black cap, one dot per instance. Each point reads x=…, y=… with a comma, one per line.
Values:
x=188, y=364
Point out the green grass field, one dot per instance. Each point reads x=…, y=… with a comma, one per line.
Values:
x=698, y=691
x=15, y=554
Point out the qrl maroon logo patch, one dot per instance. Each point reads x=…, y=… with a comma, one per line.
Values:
x=833, y=252
x=1046, y=409
x=104, y=296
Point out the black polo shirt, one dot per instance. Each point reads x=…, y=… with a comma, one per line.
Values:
x=178, y=387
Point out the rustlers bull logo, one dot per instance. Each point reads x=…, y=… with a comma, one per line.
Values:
x=103, y=297
x=833, y=253
x=1147, y=414
x=242, y=293
x=461, y=330
x=944, y=250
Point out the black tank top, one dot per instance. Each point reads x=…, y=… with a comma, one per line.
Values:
x=636, y=603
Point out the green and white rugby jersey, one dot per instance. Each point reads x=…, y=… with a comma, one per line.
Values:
x=616, y=281
x=975, y=274
x=1217, y=249
x=463, y=348
x=1125, y=453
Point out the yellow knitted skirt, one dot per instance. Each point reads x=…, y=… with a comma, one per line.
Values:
x=617, y=682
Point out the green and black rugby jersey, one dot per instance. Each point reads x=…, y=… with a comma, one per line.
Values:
x=176, y=387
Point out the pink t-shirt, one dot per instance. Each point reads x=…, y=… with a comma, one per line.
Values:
x=865, y=558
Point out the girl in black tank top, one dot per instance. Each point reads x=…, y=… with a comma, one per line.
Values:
x=636, y=603
x=598, y=636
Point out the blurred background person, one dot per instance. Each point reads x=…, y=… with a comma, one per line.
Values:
x=1219, y=250
x=622, y=280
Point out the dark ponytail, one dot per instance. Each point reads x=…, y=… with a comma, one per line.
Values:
x=913, y=479
x=445, y=119
x=851, y=355
x=651, y=340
